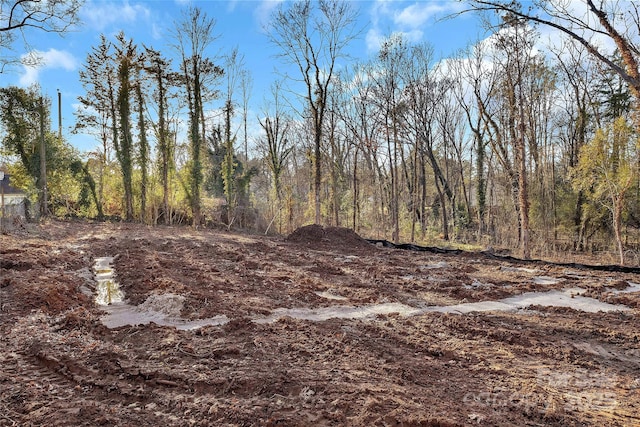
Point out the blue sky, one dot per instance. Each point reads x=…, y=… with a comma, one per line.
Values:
x=239, y=23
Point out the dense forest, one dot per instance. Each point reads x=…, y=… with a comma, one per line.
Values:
x=513, y=143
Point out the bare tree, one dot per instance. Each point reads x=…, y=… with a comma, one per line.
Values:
x=387, y=77
x=277, y=147
x=98, y=112
x=619, y=21
x=17, y=17
x=475, y=84
x=425, y=93
x=314, y=40
x=357, y=111
x=514, y=45
x=246, y=85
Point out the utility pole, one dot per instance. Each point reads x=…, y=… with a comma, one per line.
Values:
x=59, y=115
x=43, y=163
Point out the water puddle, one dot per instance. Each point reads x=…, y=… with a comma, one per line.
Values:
x=476, y=284
x=346, y=258
x=570, y=298
x=546, y=280
x=440, y=264
x=107, y=289
x=341, y=312
x=329, y=295
x=518, y=270
x=633, y=287
x=163, y=310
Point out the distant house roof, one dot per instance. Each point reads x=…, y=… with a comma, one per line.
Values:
x=7, y=188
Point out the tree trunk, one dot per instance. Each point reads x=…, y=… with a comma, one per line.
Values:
x=523, y=200
x=355, y=190
x=394, y=183
x=317, y=134
x=43, y=165
x=144, y=152
x=443, y=206
x=617, y=227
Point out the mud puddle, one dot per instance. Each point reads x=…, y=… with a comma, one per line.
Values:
x=570, y=298
x=633, y=287
x=107, y=288
x=342, y=312
x=163, y=310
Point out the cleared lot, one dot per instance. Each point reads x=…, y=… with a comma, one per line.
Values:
x=321, y=328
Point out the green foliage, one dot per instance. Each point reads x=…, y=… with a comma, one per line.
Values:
x=606, y=165
x=20, y=118
x=127, y=58
x=20, y=111
x=614, y=94
x=607, y=169
x=227, y=176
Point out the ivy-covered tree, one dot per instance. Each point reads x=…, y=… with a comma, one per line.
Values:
x=158, y=68
x=193, y=36
x=127, y=58
x=20, y=114
x=143, y=145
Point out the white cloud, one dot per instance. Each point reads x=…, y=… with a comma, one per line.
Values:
x=263, y=12
x=414, y=35
x=374, y=39
x=389, y=17
x=157, y=32
x=52, y=58
x=98, y=15
x=419, y=14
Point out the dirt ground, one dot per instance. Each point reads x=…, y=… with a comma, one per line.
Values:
x=267, y=365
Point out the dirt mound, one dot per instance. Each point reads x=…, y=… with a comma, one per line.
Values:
x=335, y=237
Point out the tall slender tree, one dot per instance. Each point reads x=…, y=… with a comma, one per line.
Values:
x=193, y=36
x=143, y=144
x=97, y=112
x=127, y=58
x=387, y=75
x=313, y=36
x=159, y=70
x=276, y=146
x=514, y=47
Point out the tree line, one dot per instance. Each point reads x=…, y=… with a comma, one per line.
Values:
x=504, y=144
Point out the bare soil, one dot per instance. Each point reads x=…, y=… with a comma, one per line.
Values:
x=540, y=366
